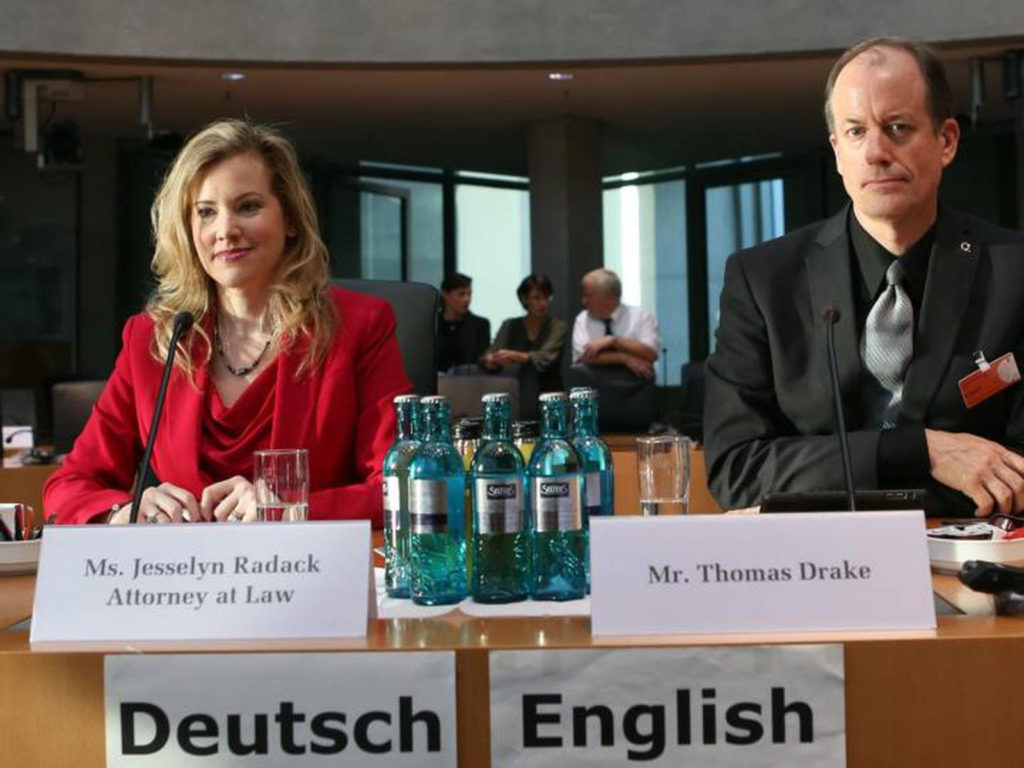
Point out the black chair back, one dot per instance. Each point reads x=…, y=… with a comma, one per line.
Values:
x=416, y=308
x=72, y=406
x=625, y=403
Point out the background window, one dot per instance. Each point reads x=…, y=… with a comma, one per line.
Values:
x=645, y=244
x=493, y=247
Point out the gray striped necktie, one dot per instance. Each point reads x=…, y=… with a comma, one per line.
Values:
x=888, y=345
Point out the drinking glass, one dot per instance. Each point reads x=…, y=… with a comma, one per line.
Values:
x=663, y=462
x=281, y=479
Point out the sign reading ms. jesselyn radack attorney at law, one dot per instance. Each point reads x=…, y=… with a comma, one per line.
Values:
x=103, y=587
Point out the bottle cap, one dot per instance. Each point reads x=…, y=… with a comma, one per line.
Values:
x=552, y=397
x=406, y=399
x=581, y=393
x=495, y=397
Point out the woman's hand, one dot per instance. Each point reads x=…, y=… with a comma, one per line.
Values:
x=164, y=503
x=232, y=501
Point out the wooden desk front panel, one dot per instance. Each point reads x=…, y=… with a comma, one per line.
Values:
x=909, y=702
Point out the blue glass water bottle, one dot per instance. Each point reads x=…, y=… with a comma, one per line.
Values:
x=500, y=537
x=396, y=495
x=595, y=457
x=556, y=508
x=437, y=517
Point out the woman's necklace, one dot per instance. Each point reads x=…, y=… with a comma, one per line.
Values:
x=245, y=369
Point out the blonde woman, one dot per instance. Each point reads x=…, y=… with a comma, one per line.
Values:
x=276, y=358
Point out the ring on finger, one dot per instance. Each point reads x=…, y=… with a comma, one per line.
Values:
x=234, y=517
x=152, y=516
x=186, y=516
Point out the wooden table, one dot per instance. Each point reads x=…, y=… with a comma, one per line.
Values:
x=25, y=484
x=923, y=699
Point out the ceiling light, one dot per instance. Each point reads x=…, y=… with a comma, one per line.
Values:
x=232, y=77
x=560, y=77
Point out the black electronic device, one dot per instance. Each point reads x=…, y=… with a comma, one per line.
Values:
x=837, y=501
x=992, y=578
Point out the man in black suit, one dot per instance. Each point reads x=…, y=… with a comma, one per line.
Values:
x=958, y=289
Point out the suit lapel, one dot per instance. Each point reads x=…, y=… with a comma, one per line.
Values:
x=951, y=271
x=831, y=285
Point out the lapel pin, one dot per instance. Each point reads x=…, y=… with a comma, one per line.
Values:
x=965, y=247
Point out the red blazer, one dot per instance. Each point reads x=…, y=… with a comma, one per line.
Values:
x=341, y=412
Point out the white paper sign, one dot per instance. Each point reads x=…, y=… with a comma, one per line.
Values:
x=278, y=709
x=740, y=706
x=194, y=585
x=18, y=437
x=763, y=573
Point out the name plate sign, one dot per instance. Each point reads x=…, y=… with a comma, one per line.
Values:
x=192, y=585
x=746, y=706
x=760, y=573
x=281, y=709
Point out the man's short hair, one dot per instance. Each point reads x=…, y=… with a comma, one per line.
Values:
x=455, y=281
x=605, y=281
x=938, y=94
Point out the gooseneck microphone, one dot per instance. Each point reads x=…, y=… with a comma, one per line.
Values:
x=182, y=322
x=831, y=317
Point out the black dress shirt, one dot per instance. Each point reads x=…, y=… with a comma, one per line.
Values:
x=902, y=450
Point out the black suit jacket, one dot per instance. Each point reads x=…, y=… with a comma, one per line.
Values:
x=769, y=423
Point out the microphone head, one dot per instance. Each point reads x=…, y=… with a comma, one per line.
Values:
x=831, y=315
x=182, y=322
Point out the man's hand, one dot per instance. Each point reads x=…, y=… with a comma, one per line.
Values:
x=991, y=475
x=640, y=367
x=232, y=500
x=594, y=348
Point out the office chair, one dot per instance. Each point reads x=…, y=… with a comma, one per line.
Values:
x=416, y=308
x=72, y=406
x=626, y=403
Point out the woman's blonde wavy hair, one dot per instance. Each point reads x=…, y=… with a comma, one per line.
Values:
x=299, y=304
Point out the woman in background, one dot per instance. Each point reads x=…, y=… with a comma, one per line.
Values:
x=276, y=358
x=531, y=347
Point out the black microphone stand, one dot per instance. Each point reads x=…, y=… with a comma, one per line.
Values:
x=831, y=318
x=182, y=322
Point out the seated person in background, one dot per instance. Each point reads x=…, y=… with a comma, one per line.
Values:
x=463, y=337
x=276, y=358
x=608, y=332
x=920, y=289
x=530, y=347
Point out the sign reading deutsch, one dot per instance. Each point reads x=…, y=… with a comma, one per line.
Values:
x=749, y=706
x=763, y=573
x=102, y=587
x=281, y=709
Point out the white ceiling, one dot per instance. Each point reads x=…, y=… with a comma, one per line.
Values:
x=655, y=114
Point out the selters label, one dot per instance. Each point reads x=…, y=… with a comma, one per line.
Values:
x=392, y=503
x=428, y=506
x=499, y=504
x=556, y=502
